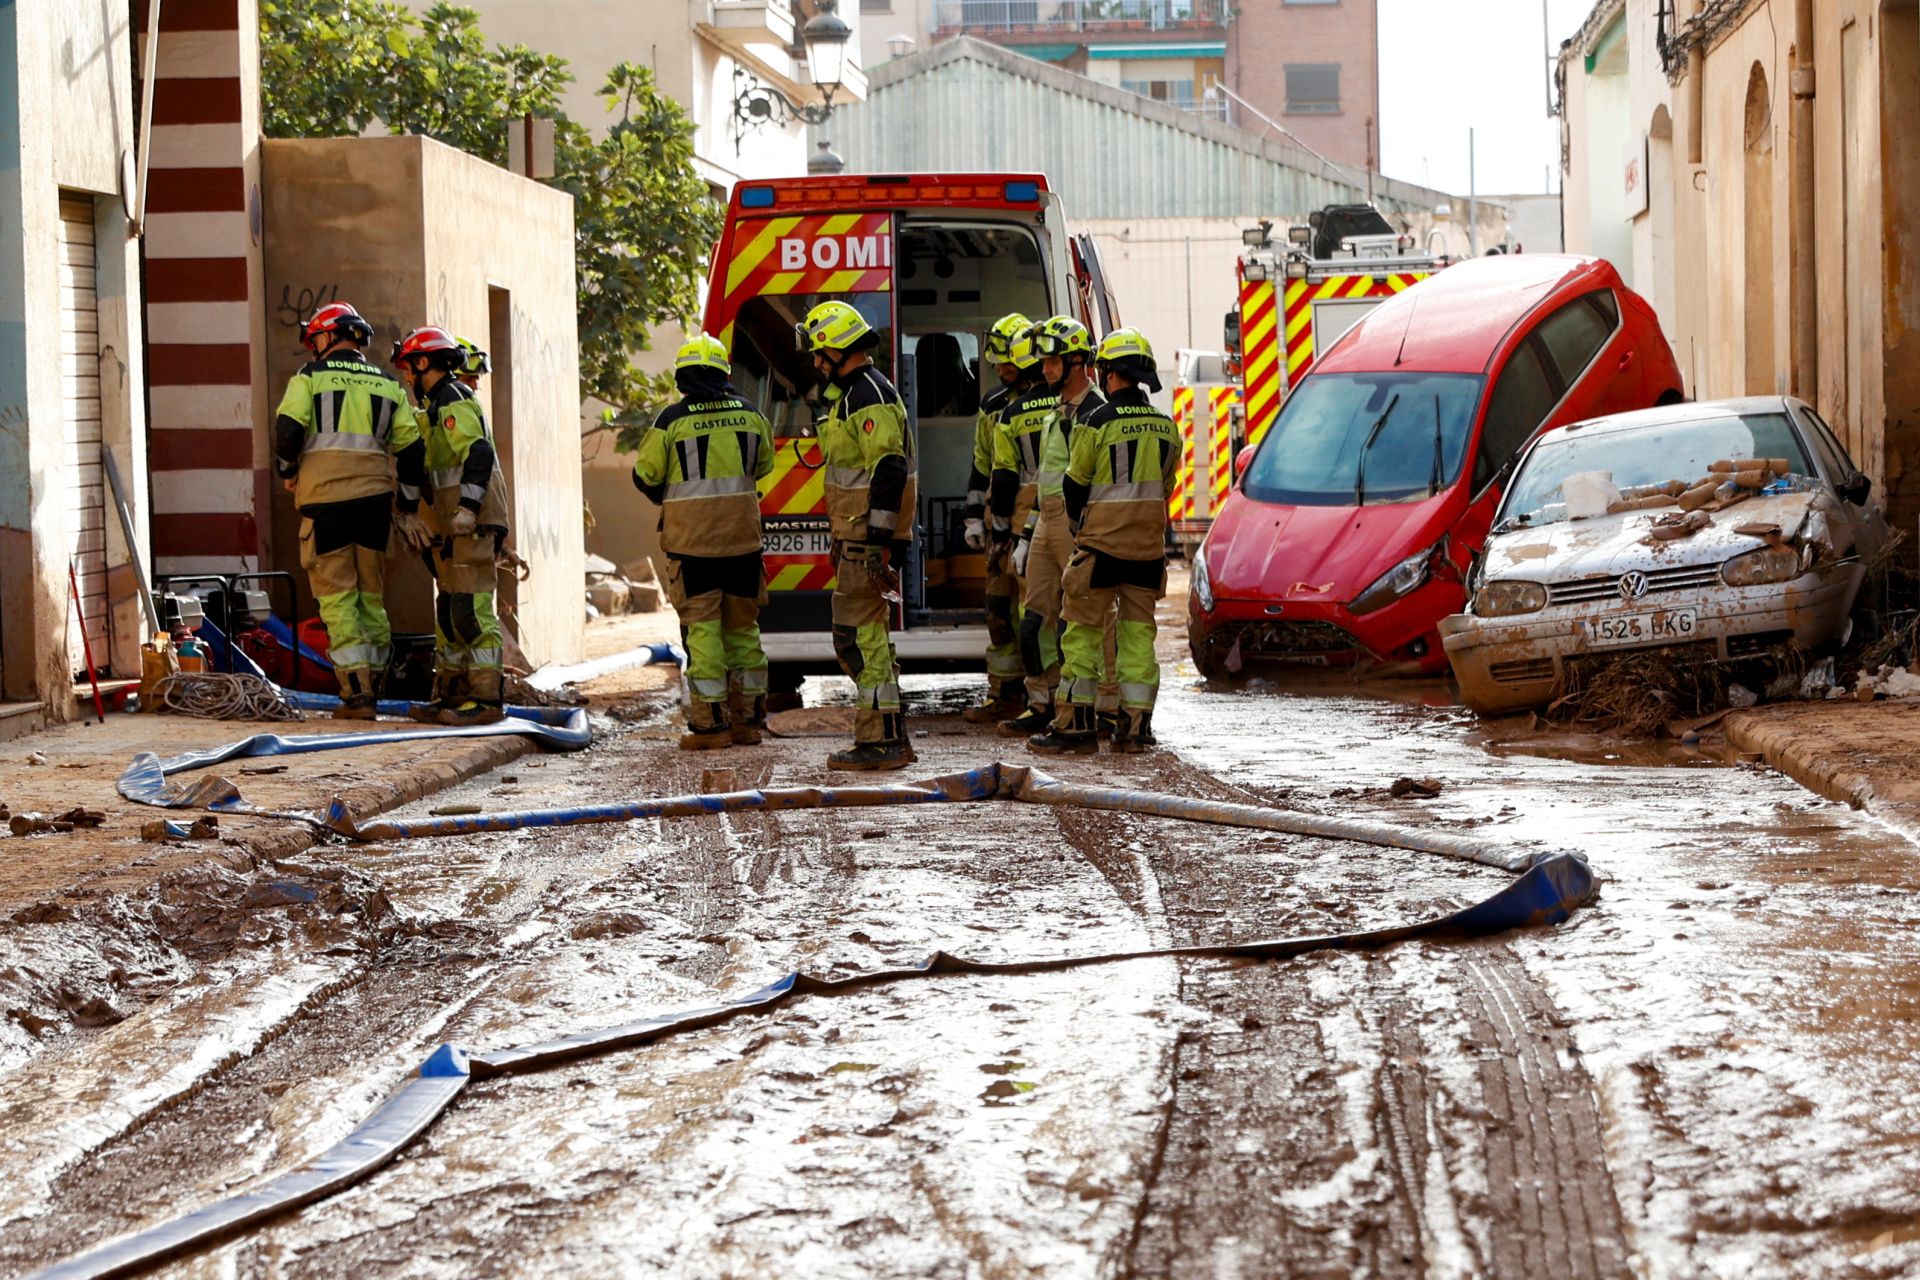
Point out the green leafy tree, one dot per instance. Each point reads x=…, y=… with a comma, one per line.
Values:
x=643, y=219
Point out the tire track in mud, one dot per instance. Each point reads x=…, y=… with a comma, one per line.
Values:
x=1332, y=1116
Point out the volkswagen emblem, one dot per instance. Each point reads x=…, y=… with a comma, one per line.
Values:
x=1633, y=585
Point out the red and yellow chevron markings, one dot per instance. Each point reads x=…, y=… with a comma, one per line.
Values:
x=1260, y=356
x=1220, y=453
x=1180, y=505
x=796, y=487
x=1302, y=294
x=818, y=253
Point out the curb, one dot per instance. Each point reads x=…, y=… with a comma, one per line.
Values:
x=1775, y=739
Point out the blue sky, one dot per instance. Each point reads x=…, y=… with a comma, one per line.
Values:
x=1447, y=66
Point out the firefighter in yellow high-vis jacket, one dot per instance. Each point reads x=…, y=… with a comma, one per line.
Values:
x=701, y=461
x=870, y=491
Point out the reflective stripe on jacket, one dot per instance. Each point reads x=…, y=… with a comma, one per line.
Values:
x=353, y=416
x=1121, y=475
x=702, y=457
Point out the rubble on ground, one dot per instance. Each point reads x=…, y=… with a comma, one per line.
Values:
x=613, y=590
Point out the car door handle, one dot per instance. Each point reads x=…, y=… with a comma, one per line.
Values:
x=1626, y=358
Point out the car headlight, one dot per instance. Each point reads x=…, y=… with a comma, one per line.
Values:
x=1402, y=579
x=1506, y=598
x=1202, y=586
x=1756, y=568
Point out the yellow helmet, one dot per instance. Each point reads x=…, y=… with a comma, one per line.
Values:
x=1062, y=336
x=475, y=361
x=1000, y=337
x=703, y=352
x=1122, y=343
x=832, y=326
x=1020, y=352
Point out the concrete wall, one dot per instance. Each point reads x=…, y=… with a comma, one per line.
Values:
x=1722, y=220
x=66, y=119
x=415, y=233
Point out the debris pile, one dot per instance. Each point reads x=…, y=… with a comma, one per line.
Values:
x=612, y=590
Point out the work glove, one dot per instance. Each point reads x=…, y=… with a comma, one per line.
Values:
x=886, y=579
x=464, y=522
x=976, y=535
x=1021, y=550
x=413, y=531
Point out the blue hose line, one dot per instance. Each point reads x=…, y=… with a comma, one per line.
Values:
x=1547, y=892
x=983, y=783
x=145, y=780
x=402, y=1118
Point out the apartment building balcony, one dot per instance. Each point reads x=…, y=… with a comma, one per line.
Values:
x=1006, y=21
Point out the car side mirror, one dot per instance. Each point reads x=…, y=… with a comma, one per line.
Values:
x=1243, y=459
x=1857, y=487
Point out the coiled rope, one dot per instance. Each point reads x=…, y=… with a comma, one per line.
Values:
x=218, y=695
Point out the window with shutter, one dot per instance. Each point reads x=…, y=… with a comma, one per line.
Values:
x=1313, y=87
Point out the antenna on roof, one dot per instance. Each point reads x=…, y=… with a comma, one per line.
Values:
x=1401, y=353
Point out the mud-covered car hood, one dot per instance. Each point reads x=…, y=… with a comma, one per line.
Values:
x=1265, y=551
x=1575, y=549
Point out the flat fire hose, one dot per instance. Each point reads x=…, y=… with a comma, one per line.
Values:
x=1548, y=887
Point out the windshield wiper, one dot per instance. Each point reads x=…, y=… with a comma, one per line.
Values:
x=1373, y=433
x=1433, y=485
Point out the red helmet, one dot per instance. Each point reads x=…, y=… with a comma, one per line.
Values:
x=442, y=348
x=337, y=318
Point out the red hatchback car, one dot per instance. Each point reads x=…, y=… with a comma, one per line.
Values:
x=1348, y=535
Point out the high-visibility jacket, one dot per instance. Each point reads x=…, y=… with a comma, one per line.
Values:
x=870, y=460
x=338, y=426
x=462, y=467
x=1056, y=443
x=992, y=406
x=1016, y=458
x=1119, y=478
x=700, y=460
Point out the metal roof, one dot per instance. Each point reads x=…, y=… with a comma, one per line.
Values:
x=965, y=104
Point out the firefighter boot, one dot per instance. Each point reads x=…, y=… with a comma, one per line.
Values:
x=480, y=701
x=357, y=701
x=1079, y=735
x=707, y=727
x=1112, y=726
x=1136, y=733
x=449, y=690
x=1029, y=722
x=1002, y=703
x=747, y=727
x=890, y=751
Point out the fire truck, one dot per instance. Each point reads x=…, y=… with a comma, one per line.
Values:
x=1207, y=413
x=1297, y=297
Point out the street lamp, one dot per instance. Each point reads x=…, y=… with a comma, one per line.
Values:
x=824, y=39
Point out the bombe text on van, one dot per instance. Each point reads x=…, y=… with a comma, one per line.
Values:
x=836, y=253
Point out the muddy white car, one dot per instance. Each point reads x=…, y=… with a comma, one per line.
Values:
x=1727, y=527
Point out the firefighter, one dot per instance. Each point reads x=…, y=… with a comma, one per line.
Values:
x=1065, y=348
x=700, y=461
x=476, y=364
x=870, y=490
x=1011, y=497
x=1005, y=692
x=469, y=517
x=1119, y=478
x=339, y=423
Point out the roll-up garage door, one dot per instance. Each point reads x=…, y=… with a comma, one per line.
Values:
x=80, y=414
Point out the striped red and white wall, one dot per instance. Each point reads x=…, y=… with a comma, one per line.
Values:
x=205, y=292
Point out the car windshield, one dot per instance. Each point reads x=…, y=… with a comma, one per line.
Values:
x=1643, y=457
x=1347, y=439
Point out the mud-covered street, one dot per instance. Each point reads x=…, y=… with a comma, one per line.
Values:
x=1709, y=1071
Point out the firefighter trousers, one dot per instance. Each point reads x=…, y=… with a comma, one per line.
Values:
x=343, y=548
x=466, y=628
x=1004, y=668
x=1098, y=586
x=1041, y=623
x=718, y=599
x=865, y=650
